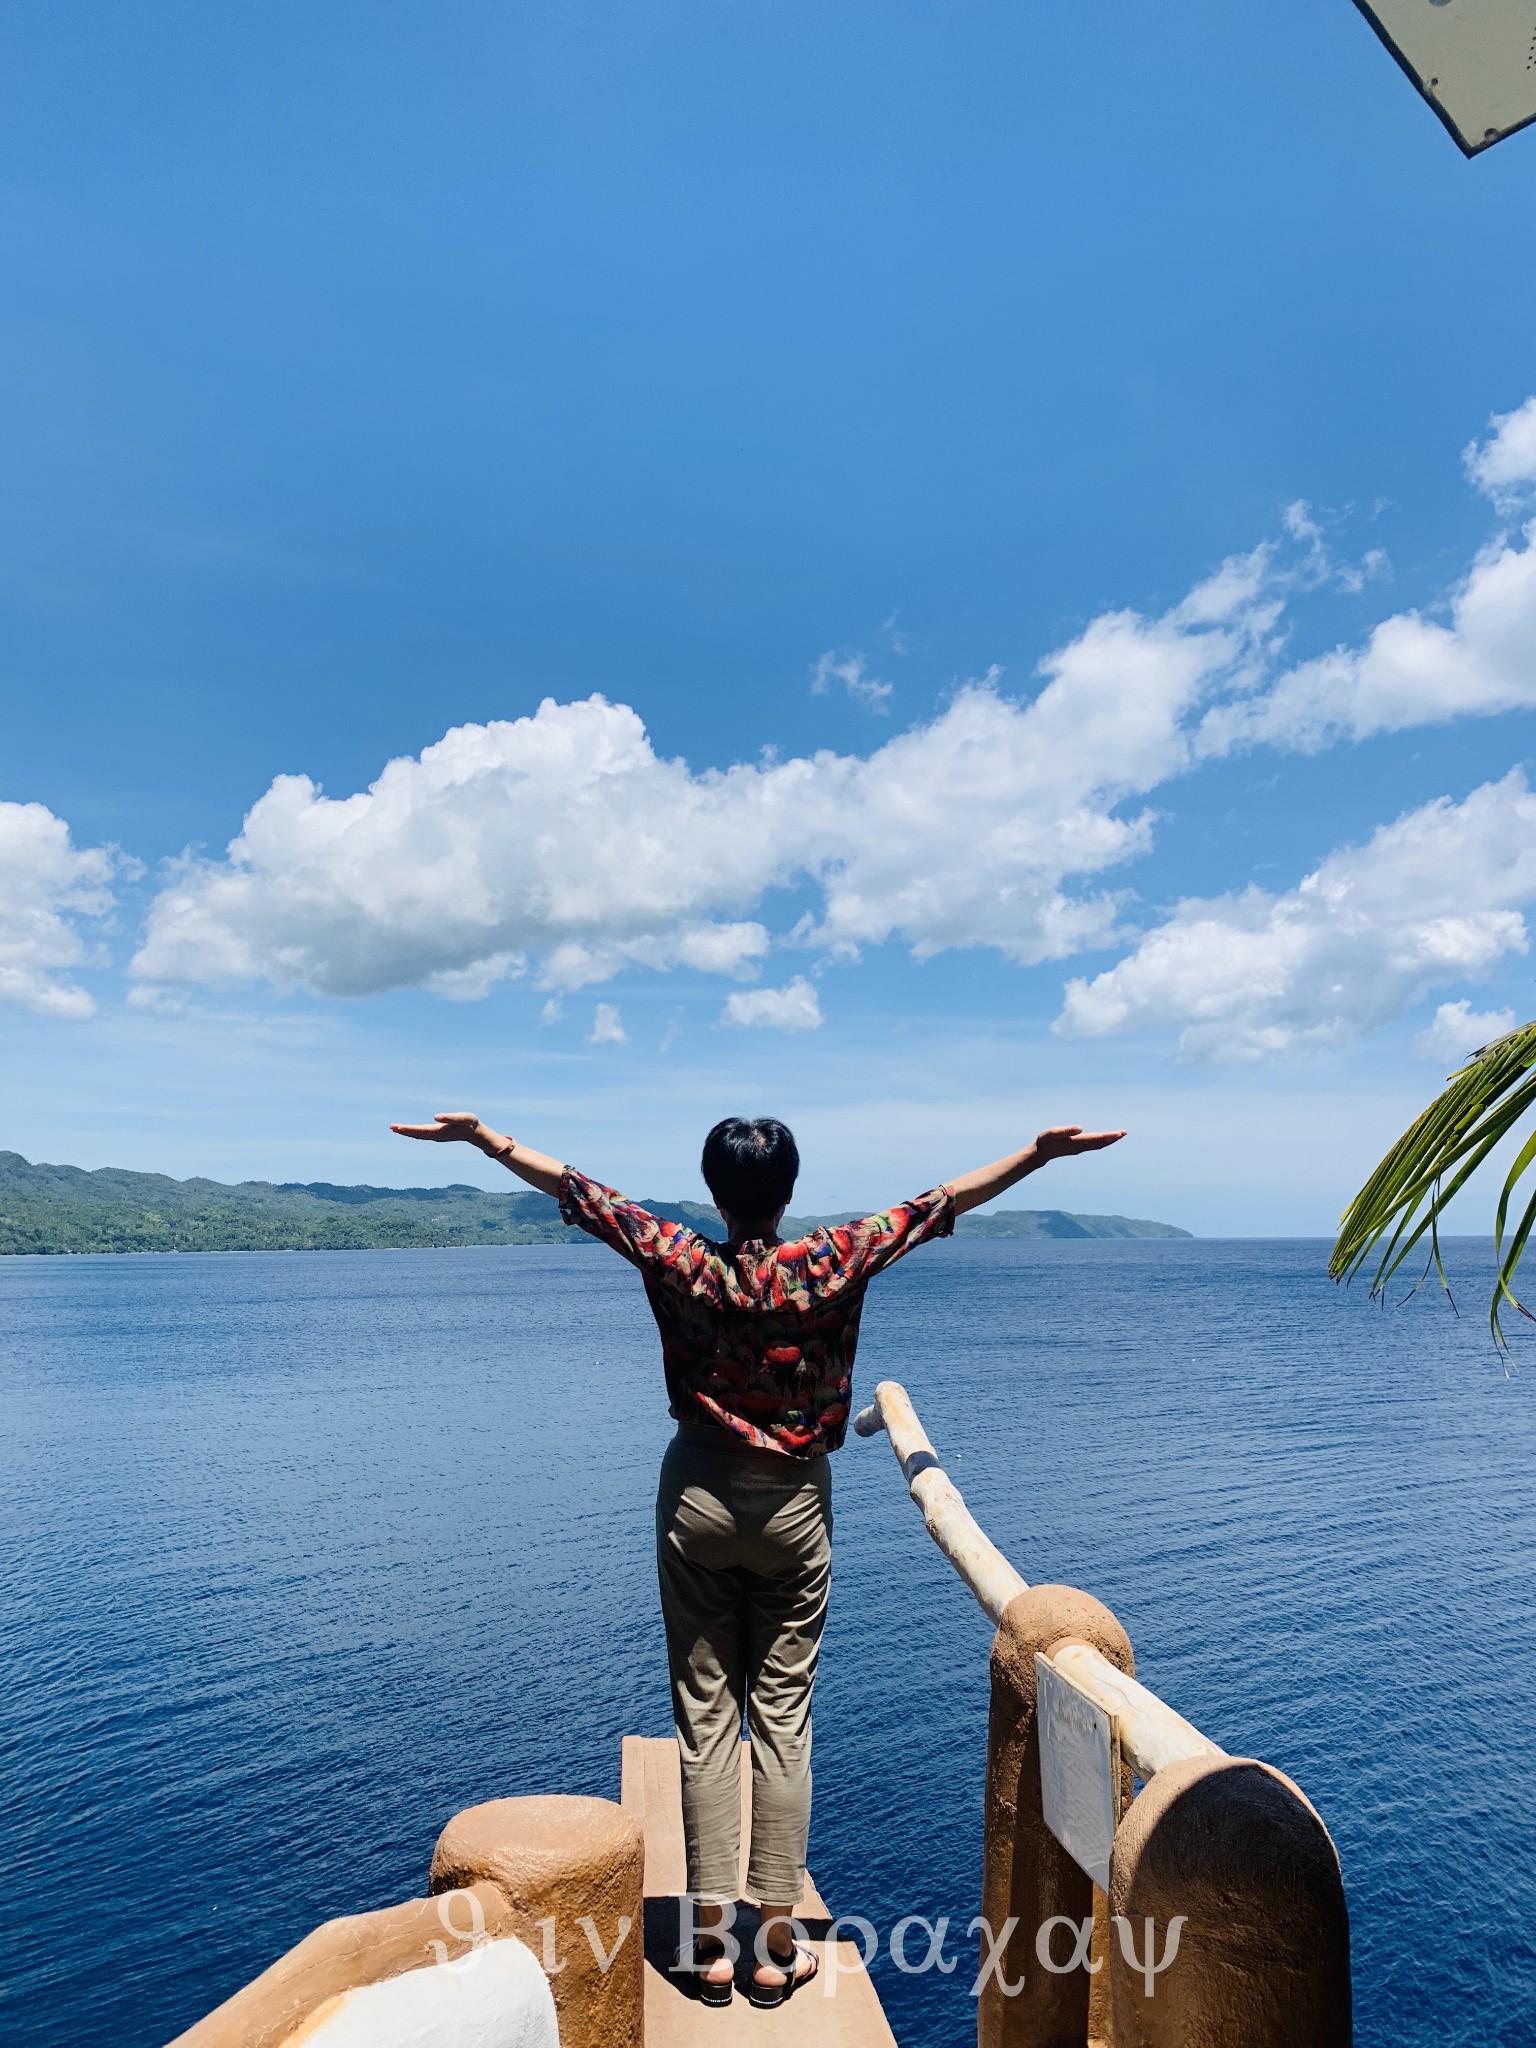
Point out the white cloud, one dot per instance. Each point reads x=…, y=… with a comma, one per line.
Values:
x=963, y=832
x=1457, y=1031
x=1434, y=898
x=1412, y=670
x=474, y=983
x=560, y=840
x=552, y=1011
x=895, y=635
x=852, y=672
x=791, y=1008
x=606, y=1028
x=155, y=1002
x=563, y=844
x=1504, y=466
x=46, y=884
x=1317, y=564
x=1477, y=661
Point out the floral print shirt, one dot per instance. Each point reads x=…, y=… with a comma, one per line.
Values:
x=758, y=1337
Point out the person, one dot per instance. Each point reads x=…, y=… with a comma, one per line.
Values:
x=758, y=1339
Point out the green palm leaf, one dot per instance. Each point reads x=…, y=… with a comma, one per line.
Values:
x=1406, y=1196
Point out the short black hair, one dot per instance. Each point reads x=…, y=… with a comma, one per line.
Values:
x=750, y=1166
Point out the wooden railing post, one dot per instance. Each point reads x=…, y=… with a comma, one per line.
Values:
x=1027, y=1876
x=1224, y=1924
x=1236, y=1853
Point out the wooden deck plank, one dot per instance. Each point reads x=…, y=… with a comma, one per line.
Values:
x=842, y=2010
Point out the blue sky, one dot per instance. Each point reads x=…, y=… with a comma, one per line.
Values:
x=852, y=400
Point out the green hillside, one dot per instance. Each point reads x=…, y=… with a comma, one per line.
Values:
x=1060, y=1223
x=66, y=1209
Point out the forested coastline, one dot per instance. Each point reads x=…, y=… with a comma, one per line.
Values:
x=66, y=1209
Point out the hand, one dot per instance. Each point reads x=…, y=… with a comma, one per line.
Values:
x=1061, y=1141
x=1065, y=1141
x=445, y=1128
x=537, y=1168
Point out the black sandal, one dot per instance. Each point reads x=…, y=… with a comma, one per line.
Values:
x=766, y=1996
x=688, y=1966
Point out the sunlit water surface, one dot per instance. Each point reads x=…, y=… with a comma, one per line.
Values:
x=303, y=1553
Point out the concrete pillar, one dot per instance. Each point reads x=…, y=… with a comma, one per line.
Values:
x=572, y=1873
x=1263, y=1955
x=1027, y=1875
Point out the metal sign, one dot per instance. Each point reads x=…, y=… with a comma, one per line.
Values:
x=1473, y=60
x=1079, y=1770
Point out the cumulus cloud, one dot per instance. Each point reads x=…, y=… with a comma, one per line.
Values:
x=1504, y=466
x=1475, y=661
x=563, y=846
x=963, y=832
x=606, y=1028
x=852, y=672
x=559, y=842
x=1412, y=670
x=791, y=1008
x=1457, y=1031
x=47, y=884
x=1434, y=898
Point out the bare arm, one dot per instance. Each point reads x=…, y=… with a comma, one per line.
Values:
x=1064, y=1141
x=462, y=1126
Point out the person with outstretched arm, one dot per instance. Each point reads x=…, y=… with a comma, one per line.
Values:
x=757, y=1341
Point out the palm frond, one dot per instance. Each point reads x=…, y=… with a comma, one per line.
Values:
x=1407, y=1195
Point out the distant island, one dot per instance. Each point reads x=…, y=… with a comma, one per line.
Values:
x=64, y=1209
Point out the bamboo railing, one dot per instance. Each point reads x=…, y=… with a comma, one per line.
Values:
x=1151, y=1734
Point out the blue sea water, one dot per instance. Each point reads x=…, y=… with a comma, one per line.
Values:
x=302, y=1553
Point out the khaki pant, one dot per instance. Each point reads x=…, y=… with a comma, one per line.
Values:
x=743, y=1552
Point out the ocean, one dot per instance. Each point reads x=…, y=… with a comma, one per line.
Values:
x=304, y=1552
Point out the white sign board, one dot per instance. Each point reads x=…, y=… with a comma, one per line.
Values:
x=1079, y=1770
x=1473, y=60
